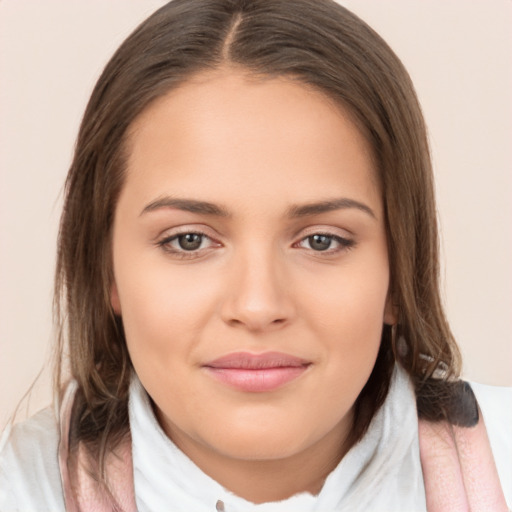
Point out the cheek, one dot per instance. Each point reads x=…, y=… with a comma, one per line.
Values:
x=162, y=324
x=347, y=313
x=350, y=301
x=164, y=308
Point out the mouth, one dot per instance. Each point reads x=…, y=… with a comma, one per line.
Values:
x=256, y=373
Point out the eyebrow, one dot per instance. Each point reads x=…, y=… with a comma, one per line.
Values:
x=295, y=211
x=187, y=205
x=327, y=206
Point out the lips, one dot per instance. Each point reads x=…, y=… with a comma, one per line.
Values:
x=256, y=373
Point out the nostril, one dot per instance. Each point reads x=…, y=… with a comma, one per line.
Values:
x=257, y=323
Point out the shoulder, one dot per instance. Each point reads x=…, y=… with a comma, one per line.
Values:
x=496, y=406
x=29, y=468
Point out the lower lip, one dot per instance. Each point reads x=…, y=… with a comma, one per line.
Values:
x=259, y=380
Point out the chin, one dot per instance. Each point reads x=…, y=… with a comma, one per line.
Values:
x=261, y=437
x=260, y=446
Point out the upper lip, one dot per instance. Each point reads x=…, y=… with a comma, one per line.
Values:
x=249, y=361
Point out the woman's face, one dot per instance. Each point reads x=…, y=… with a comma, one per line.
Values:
x=250, y=265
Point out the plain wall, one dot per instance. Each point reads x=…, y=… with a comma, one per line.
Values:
x=459, y=55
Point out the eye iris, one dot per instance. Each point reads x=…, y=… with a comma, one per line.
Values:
x=320, y=242
x=190, y=241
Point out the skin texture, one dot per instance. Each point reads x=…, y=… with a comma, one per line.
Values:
x=257, y=283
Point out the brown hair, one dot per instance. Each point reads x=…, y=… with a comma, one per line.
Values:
x=316, y=42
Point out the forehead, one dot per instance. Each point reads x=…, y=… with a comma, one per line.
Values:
x=229, y=133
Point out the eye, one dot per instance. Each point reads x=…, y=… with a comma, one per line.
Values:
x=324, y=242
x=186, y=244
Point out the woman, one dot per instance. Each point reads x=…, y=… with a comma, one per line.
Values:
x=248, y=282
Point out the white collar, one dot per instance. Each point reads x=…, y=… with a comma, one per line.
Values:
x=383, y=470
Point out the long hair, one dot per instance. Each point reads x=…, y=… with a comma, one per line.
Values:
x=314, y=42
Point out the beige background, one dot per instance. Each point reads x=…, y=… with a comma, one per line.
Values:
x=459, y=54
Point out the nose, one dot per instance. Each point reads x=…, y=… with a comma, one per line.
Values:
x=259, y=297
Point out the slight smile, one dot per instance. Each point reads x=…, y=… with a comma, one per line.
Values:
x=256, y=373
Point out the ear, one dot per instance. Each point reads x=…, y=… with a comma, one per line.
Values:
x=390, y=312
x=114, y=298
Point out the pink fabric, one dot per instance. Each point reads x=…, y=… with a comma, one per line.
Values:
x=82, y=492
x=458, y=470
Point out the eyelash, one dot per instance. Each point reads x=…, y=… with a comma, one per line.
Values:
x=344, y=244
x=182, y=253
